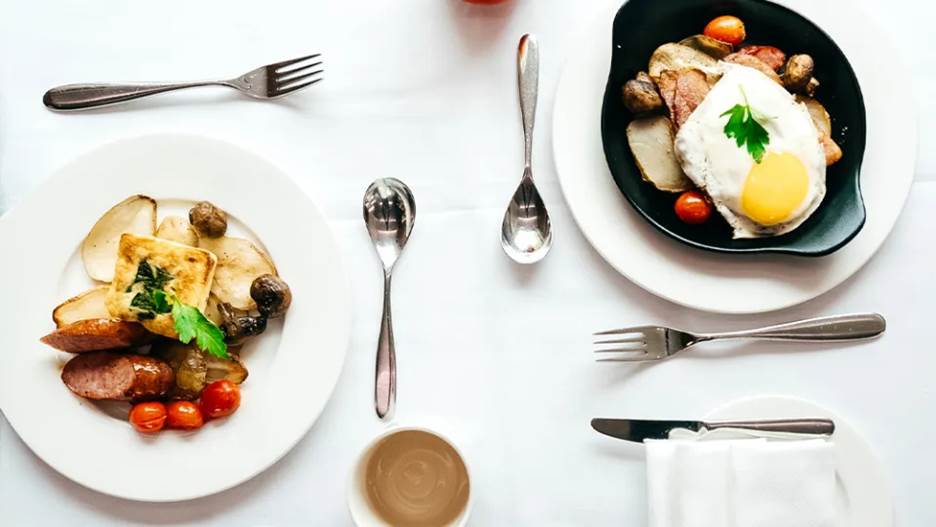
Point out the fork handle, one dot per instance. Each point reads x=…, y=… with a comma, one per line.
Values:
x=82, y=96
x=838, y=327
x=790, y=426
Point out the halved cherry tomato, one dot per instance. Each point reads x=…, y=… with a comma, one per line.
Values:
x=148, y=417
x=185, y=415
x=220, y=398
x=693, y=207
x=729, y=29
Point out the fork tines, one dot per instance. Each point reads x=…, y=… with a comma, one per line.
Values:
x=629, y=343
x=291, y=75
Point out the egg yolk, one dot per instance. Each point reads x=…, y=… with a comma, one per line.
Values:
x=774, y=188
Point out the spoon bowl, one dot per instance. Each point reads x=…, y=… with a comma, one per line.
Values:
x=526, y=233
x=389, y=211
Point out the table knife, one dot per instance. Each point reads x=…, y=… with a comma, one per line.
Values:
x=638, y=430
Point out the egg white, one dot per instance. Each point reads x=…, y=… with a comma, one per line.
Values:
x=716, y=164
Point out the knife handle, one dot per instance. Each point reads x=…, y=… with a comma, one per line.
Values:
x=790, y=426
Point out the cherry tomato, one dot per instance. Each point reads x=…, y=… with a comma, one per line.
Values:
x=693, y=208
x=729, y=29
x=148, y=417
x=185, y=415
x=219, y=399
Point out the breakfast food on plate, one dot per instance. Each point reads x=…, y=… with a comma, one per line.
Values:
x=732, y=127
x=181, y=302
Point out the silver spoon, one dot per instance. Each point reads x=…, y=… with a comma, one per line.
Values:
x=389, y=213
x=526, y=234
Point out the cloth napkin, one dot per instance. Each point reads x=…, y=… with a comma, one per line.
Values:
x=741, y=483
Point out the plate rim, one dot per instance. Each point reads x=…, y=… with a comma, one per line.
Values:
x=342, y=321
x=790, y=407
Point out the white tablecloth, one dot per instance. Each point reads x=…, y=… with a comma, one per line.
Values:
x=424, y=90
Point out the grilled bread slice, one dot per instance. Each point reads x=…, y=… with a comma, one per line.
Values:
x=188, y=273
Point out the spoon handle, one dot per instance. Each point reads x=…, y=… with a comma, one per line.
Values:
x=385, y=381
x=528, y=80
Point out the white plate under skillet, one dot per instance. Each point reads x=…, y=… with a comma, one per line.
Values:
x=730, y=283
x=293, y=366
x=864, y=494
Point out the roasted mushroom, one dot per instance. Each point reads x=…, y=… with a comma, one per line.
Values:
x=195, y=369
x=208, y=220
x=272, y=294
x=238, y=324
x=640, y=95
x=798, y=72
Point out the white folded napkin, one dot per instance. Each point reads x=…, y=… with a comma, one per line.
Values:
x=741, y=483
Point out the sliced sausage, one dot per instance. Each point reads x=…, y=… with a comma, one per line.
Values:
x=107, y=375
x=96, y=334
x=754, y=62
x=770, y=55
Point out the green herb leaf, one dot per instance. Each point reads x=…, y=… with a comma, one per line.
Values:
x=190, y=324
x=744, y=127
x=152, y=277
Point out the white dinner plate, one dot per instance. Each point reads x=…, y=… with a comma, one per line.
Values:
x=865, y=496
x=293, y=366
x=730, y=283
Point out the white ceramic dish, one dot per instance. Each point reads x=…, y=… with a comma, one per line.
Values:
x=293, y=366
x=865, y=495
x=361, y=511
x=719, y=282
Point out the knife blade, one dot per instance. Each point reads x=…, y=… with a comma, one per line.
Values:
x=637, y=430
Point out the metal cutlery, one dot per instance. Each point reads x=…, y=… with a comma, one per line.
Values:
x=526, y=232
x=389, y=213
x=638, y=430
x=266, y=82
x=649, y=343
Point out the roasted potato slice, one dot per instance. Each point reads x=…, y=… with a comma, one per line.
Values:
x=177, y=229
x=86, y=306
x=708, y=45
x=676, y=57
x=136, y=214
x=97, y=334
x=240, y=262
x=651, y=141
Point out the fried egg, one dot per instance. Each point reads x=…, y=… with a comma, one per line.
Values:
x=766, y=198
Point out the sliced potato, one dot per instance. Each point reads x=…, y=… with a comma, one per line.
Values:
x=651, y=141
x=86, y=306
x=212, y=312
x=97, y=334
x=676, y=57
x=177, y=229
x=708, y=45
x=136, y=214
x=239, y=263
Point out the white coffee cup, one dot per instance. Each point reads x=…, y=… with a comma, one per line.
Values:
x=362, y=512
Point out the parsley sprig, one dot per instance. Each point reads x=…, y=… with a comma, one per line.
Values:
x=744, y=127
x=190, y=323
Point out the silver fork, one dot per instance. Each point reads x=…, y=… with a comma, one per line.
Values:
x=648, y=343
x=266, y=82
